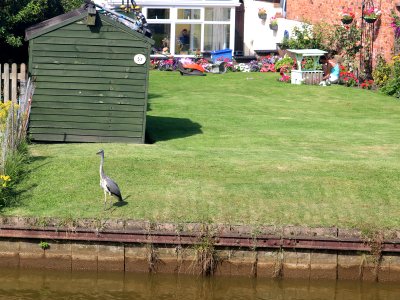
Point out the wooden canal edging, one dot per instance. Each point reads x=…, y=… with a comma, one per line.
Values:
x=125, y=245
x=144, y=236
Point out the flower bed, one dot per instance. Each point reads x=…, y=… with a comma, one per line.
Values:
x=262, y=64
x=347, y=77
x=269, y=63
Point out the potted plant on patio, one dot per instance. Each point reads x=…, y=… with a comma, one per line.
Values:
x=273, y=23
x=262, y=13
x=347, y=16
x=371, y=14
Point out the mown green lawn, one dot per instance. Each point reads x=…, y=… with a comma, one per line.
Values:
x=238, y=148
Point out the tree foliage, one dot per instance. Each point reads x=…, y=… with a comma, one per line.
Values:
x=17, y=15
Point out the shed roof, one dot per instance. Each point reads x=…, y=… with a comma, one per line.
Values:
x=70, y=17
x=54, y=23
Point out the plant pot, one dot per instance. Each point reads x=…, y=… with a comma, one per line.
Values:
x=273, y=27
x=347, y=21
x=370, y=20
x=262, y=16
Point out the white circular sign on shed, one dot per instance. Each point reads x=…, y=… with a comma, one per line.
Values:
x=139, y=59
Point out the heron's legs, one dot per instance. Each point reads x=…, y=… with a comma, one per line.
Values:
x=105, y=199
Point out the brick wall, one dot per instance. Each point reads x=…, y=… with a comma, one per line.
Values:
x=329, y=10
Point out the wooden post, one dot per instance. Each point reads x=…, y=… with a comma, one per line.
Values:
x=22, y=81
x=14, y=76
x=6, y=77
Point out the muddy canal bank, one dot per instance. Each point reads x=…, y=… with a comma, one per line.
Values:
x=131, y=246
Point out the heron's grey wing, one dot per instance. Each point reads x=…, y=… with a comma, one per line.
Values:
x=113, y=187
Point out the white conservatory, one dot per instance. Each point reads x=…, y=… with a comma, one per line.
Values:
x=187, y=27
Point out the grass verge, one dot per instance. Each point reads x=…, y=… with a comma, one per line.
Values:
x=237, y=148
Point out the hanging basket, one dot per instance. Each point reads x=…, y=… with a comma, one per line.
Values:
x=370, y=20
x=347, y=21
x=273, y=27
x=262, y=16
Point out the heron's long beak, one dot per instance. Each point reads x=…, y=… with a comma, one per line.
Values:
x=99, y=152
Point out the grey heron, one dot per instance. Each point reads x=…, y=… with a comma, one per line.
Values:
x=108, y=185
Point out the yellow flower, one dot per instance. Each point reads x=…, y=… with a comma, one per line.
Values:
x=5, y=177
x=4, y=111
x=4, y=180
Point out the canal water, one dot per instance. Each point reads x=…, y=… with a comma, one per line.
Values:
x=26, y=284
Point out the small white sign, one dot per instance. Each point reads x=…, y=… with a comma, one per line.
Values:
x=139, y=59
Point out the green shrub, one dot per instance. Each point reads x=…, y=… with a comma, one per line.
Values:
x=303, y=37
x=13, y=149
x=15, y=168
x=44, y=245
x=392, y=86
x=285, y=63
x=308, y=64
x=382, y=72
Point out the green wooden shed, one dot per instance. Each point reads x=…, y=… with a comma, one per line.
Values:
x=91, y=81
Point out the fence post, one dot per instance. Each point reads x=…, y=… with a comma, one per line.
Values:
x=15, y=78
x=14, y=75
x=6, y=77
x=22, y=81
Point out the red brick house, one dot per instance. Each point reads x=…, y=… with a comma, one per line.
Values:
x=329, y=10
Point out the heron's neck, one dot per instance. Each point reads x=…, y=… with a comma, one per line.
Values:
x=101, y=166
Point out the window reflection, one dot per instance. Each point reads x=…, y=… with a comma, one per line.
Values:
x=216, y=36
x=161, y=37
x=188, y=14
x=157, y=13
x=188, y=38
x=217, y=14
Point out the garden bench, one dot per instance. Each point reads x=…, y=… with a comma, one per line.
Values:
x=313, y=76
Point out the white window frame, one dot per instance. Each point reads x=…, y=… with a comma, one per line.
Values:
x=174, y=20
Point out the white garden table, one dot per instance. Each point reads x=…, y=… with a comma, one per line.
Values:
x=313, y=76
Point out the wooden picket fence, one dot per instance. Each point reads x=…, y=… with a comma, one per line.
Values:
x=12, y=82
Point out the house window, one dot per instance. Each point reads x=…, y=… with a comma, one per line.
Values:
x=216, y=36
x=188, y=14
x=157, y=13
x=188, y=30
x=161, y=36
x=217, y=14
x=188, y=38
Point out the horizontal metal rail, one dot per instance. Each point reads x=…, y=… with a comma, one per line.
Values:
x=187, y=239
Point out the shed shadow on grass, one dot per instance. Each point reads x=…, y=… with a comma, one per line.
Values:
x=150, y=97
x=166, y=128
